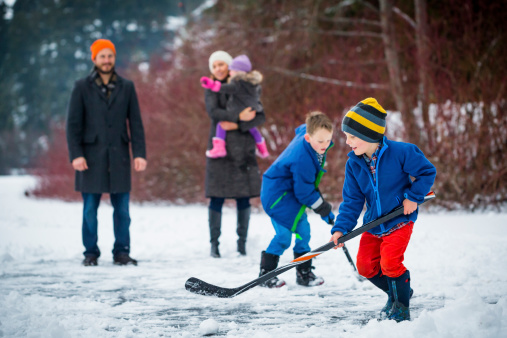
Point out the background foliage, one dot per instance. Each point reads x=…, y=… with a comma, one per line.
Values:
x=44, y=49
x=438, y=67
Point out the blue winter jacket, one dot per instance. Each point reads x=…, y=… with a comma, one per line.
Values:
x=397, y=161
x=290, y=184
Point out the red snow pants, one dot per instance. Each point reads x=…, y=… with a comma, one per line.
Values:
x=386, y=253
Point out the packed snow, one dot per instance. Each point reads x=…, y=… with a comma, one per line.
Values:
x=208, y=327
x=457, y=261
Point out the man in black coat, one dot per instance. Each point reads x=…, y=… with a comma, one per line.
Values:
x=98, y=138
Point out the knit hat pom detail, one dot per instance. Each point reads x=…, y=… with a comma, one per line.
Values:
x=372, y=102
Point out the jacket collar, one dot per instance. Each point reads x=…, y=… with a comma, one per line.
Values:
x=359, y=159
x=301, y=131
x=313, y=153
x=93, y=74
x=119, y=81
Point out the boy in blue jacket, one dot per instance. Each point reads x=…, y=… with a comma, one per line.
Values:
x=289, y=186
x=379, y=173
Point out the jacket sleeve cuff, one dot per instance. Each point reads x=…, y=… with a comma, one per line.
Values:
x=412, y=197
x=317, y=203
x=75, y=154
x=335, y=229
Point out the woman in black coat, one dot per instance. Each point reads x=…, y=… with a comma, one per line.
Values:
x=237, y=175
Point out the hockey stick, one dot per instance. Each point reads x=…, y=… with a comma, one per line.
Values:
x=351, y=261
x=200, y=287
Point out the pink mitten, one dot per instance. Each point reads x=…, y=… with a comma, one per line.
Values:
x=206, y=82
x=216, y=86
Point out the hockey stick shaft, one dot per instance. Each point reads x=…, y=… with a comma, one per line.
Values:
x=351, y=261
x=359, y=231
x=198, y=286
x=347, y=254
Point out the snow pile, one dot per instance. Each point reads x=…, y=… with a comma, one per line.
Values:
x=467, y=316
x=208, y=327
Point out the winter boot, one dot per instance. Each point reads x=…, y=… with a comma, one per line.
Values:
x=304, y=274
x=380, y=281
x=262, y=149
x=215, y=222
x=242, y=229
x=386, y=310
x=400, y=288
x=90, y=260
x=269, y=262
x=218, y=149
x=123, y=258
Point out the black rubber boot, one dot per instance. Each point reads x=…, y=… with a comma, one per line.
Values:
x=381, y=281
x=215, y=223
x=304, y=274
x=400, y=287
x=269, y=262
x=242, y=229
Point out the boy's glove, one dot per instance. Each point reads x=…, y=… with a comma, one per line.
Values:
x=324, y=210
x=329, y=219
x=206, y=82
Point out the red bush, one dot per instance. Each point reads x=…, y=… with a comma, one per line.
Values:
x=310, y=64
x=55, y=173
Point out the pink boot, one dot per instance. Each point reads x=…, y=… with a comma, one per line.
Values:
x=218, y=149
x=262, y=149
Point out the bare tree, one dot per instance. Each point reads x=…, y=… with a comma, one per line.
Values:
x=395, y=74
x=421, y=18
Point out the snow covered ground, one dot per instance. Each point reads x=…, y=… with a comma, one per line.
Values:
x=458, y=264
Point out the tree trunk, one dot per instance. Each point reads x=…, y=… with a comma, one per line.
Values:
x=393, y=65
x=421, y=18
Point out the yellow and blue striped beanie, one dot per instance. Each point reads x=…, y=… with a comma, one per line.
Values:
x=366, y=120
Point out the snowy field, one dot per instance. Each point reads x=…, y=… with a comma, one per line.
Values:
x=458, y=264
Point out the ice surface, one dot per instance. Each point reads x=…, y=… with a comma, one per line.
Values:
x=457, y=261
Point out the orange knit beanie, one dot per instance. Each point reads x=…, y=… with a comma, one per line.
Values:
x=99, y=45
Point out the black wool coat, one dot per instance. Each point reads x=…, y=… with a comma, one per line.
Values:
x=236, y=175
x=98, y=129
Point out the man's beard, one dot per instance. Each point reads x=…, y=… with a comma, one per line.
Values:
x=105, y=72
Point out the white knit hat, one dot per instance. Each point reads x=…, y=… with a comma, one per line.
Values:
x=219, y=55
